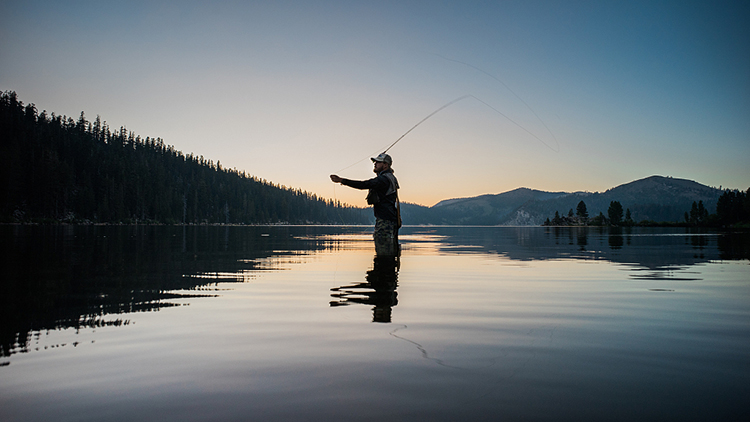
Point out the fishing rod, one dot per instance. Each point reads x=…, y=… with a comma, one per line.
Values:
x=428, y=116
x=483, y=102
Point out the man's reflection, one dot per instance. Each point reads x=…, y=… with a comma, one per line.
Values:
x=379, y=289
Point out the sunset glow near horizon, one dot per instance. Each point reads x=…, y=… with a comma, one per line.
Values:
x=564, y=96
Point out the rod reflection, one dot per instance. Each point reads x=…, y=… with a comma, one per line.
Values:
x=378, y=289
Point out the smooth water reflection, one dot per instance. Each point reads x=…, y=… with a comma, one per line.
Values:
x=378, y=289
x=471, y=323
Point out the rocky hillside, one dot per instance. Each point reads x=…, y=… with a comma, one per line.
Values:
x=653, y=198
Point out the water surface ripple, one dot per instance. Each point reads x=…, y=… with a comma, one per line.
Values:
x=122, y=323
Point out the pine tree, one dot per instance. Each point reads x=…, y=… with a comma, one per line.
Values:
x=615, y=213
x=581, y=210
x=628, y=217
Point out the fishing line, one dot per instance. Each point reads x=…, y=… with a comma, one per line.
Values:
x=523, y=128
x=335, y=205
x=485, y=103
x=444, y=106
x=427, y=356
x=407, y=132
x=512, y=92
x=421, y=349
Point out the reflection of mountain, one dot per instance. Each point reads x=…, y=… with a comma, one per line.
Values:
x=57, y=277
x=654, y=250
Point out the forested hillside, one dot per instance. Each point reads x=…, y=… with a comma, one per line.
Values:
x=57, y=169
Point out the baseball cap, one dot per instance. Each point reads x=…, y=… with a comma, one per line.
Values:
x=383, y=158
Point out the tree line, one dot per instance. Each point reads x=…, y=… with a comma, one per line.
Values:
x=732, y=210
x=57, y=169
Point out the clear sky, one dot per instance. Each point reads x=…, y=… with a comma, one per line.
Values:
x=567, y=95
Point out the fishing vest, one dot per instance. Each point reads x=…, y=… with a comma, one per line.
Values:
x=372, y=195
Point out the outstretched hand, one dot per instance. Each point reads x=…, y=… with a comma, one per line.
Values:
x=335, y=178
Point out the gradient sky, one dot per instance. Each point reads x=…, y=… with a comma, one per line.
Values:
x=568, y=95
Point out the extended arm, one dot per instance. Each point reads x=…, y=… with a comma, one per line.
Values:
x=373, y=183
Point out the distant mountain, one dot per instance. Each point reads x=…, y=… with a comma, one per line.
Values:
x=653, y=198
x=490, y=209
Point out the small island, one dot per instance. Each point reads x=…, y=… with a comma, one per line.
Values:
x=732, y=210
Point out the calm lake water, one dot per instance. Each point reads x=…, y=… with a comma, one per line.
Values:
x=307, y=323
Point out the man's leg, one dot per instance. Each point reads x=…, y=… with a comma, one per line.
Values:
x=385, y=236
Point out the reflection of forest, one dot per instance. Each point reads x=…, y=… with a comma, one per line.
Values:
x=56, y=277
x=646, y=247
x=378, y=289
